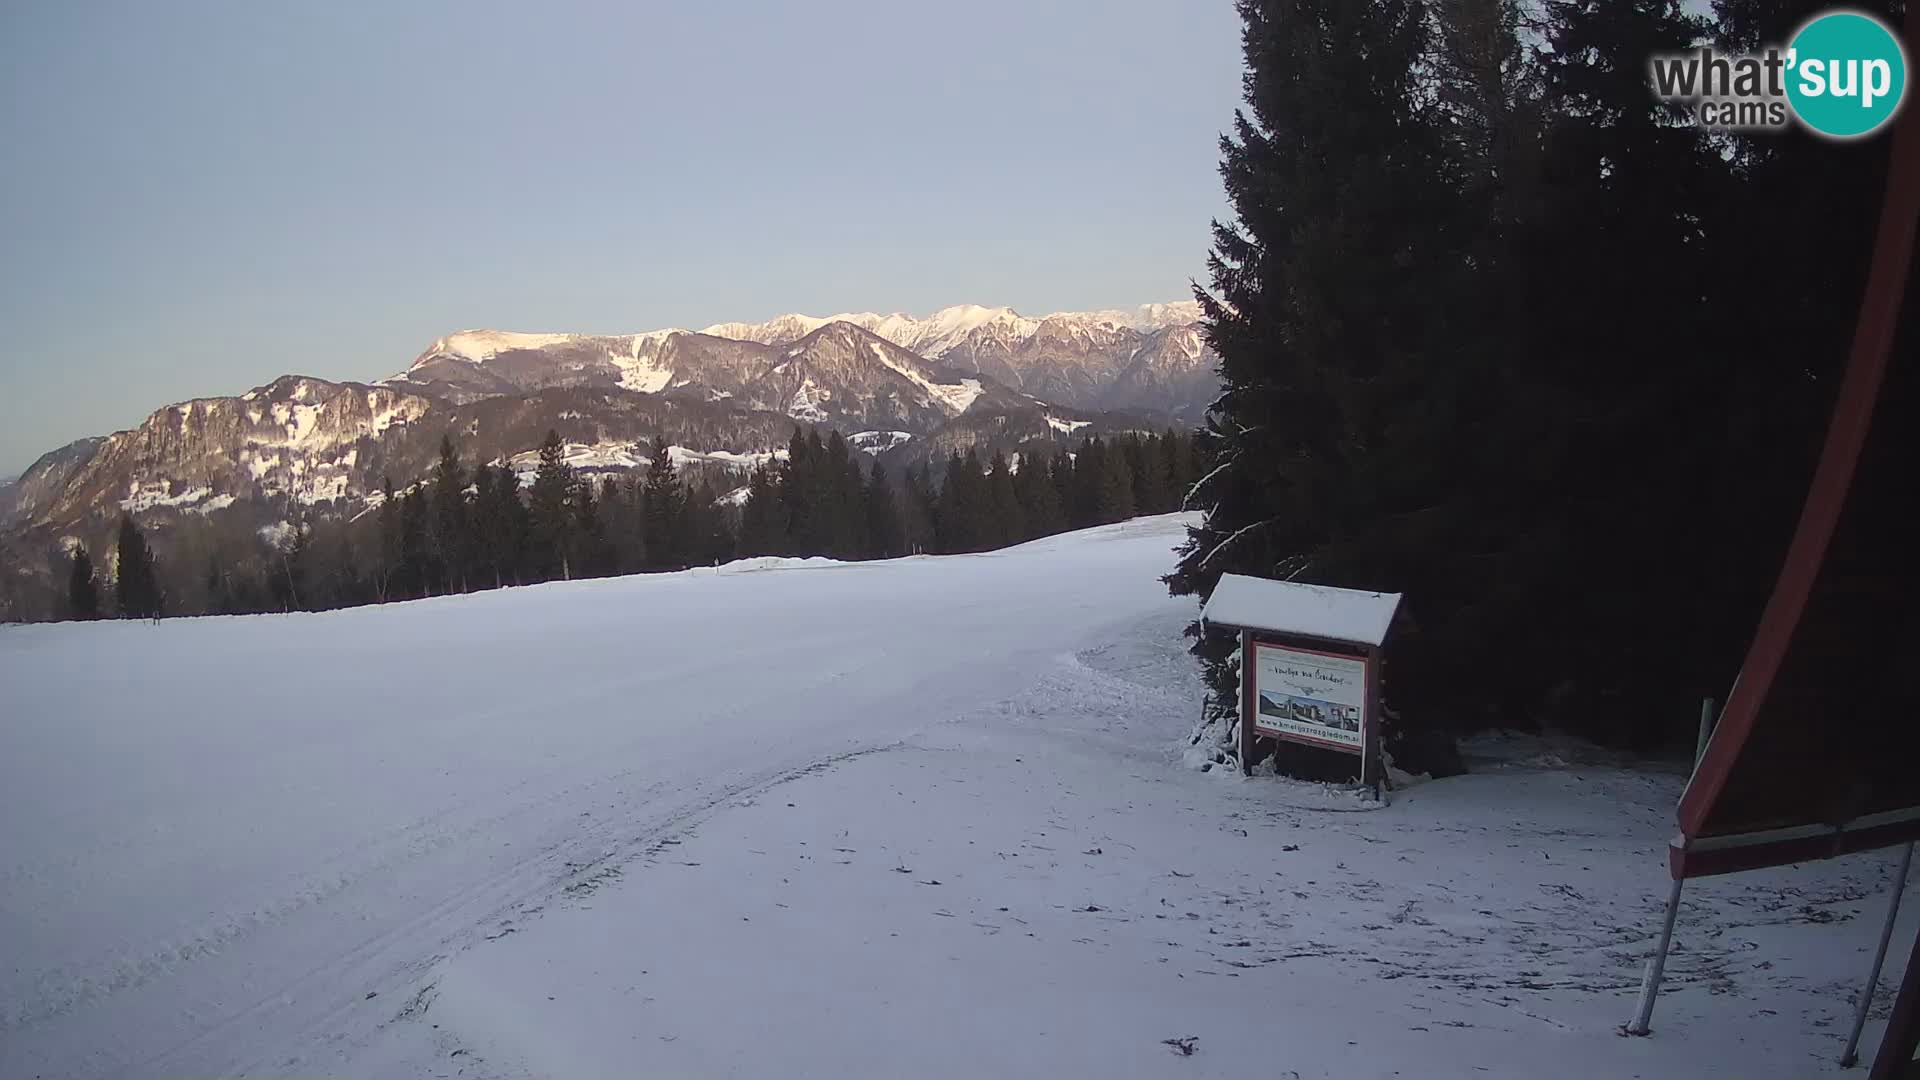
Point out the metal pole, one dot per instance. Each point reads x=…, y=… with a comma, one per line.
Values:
x=1706, y=729
x=1879, y=957
x=1656, y=965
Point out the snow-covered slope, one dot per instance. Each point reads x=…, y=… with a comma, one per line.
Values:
x=794, y=817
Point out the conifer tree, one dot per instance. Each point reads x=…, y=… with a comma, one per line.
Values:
x=1177, y=450
x=840, y=482
x=449, y=530
x=763, y=525
x=1150, y=481
x=1005, y=522
x=1065, y=487
x=886, y=538
x=1115, y=497
x=1085, y=509
x=665, y=502
x=551, y=510
x=799, y=491
x=1040, y=511
x=588, y=556
x=415, y=566
x=136, y=581
x=83, y=592
x=1321, y=304
x=919, y=508
x=387, y=547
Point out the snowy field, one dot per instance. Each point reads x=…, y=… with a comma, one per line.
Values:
x=923, y=818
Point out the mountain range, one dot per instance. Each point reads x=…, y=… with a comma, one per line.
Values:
x=904, y=389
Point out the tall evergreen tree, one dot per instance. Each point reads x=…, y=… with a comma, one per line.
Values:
x=1089, y=474
x=487, y=564
x=136, y=580
x=919, y=508
x=665, y=508
x=589, y=554
x=449, y=530
x=1005, y=521
x=1148, y=465
x=1317, y=310
x=1177, y=450
x=800, y=493
x=388, y=549
x=763, y=526
x=885, y=533
x=83, y=592
x=1040, y=513
x=1114, y=496
x=413, y=576
x=551, y=510
x=1066, y=488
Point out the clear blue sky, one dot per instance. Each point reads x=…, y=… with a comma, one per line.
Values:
x=199, y=197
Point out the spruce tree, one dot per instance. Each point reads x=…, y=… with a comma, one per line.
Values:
x=449, y=532
x=665, y=507
x=414, y=571
x=83, y=592
x=763, y=524
x=919, y=508
x=1114, y=498
x=964, y=505
x=1176, y=449
x=623, y=540
x=551, y=510
x=485, y=508
x=1039, y=502
x=390, y=551
x=588, y=555
x=136, y=582
x=1066, y=487
x=1320, y=305
x=1151, y=494
x=1005, y=521
x=885, y=535
x=1089, y=476
x=799, y=491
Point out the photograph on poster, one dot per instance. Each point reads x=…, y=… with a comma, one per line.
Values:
x=1310, y=696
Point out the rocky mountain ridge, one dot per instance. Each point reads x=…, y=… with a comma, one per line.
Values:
x=907, y=389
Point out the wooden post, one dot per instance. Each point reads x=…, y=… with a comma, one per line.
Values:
x=1372, y=753
x=1247, y=702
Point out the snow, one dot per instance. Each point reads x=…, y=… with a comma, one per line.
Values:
x=806, y=402
x=953, y=397
x=739, y=823
x=951, y=327
x=476, y=346
x=153, y=495
x=1292, y=607
x=878, y=442
x=1066, y=427
x=1145, y=318
x=733, y=459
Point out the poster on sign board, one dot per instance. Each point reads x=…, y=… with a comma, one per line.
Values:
x=1310, y=697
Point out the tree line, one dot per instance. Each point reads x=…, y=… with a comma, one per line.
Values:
x=463, y=529
x=1502, y=331
x=819, y=501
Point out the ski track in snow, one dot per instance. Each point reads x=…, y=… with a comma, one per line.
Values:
x=273, y=816
x=915, y=818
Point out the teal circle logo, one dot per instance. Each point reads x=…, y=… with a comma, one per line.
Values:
x=1846, y=74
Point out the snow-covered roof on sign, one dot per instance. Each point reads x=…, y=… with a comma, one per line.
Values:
x=1291, y=607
